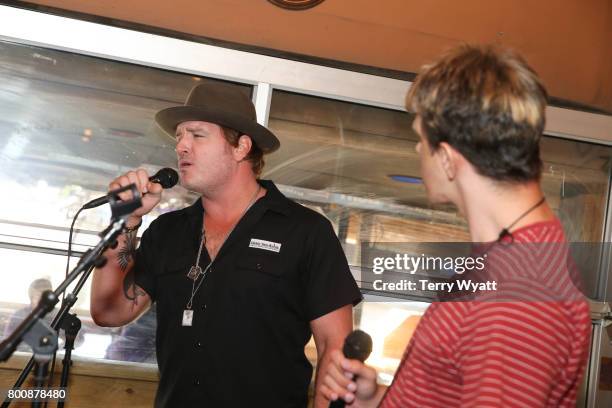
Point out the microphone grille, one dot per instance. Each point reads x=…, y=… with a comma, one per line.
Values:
x=357, y=345
x=167, y=177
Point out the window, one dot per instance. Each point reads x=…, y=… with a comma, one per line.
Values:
x=30, y=274
x=358, y=166
x=70, y=124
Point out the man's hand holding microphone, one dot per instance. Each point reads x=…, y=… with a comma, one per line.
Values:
x=115, y=298
x=348, y=381
x=150, y=189
x=151, y=192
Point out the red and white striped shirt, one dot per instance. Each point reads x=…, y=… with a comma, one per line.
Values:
x=485, y=353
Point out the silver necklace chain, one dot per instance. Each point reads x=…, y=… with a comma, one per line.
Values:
x=196, y=271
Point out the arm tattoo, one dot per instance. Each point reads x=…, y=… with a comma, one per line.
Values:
x=126, y=253
x=130, y=290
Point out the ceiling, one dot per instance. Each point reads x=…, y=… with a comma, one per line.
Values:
x=569, y=42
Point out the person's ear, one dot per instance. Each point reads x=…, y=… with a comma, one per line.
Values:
x=244, y=147
x=449, y=159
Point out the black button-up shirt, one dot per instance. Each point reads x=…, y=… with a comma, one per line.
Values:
x=280, y=268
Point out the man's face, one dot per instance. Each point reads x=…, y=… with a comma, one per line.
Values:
x=432, y=172
x=35, y=298
x=205, y=158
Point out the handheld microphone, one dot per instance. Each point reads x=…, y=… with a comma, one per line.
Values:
x=357, y=346
x=167, y=177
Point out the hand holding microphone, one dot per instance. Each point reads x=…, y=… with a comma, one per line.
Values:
x=348, y=379
x=149, y=187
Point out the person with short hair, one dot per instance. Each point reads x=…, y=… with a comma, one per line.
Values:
x=35, y=291
x=480, y=113
x=241, y=279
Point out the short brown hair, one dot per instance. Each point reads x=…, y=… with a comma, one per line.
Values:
x=488, y=104
x=38, y=286
x=255, y=155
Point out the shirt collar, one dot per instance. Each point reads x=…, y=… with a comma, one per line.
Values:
x=273, y=200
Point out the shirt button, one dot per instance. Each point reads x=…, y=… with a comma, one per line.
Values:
x=204, y=306
x=259, y=267
x=196, y=381
x=199, y=344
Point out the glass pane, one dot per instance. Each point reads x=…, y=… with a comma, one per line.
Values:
x=18, y=294
x=390, y=324
x=69, y=124
x=358, y=165
x=575, y=181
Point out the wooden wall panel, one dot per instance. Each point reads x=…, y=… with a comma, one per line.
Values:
x=95, y=384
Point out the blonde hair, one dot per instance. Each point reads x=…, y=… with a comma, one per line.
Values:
x=487, y=103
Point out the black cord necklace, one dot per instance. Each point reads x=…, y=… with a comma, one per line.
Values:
x=506, y=231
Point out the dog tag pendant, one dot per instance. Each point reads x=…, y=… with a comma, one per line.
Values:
x=194, y=272
x=187, y=317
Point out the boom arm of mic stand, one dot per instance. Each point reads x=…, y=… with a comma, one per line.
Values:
x=87, y=264
x=120, y=211
x=55, y=324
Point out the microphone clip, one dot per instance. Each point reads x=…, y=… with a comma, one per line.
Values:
x=119, y=207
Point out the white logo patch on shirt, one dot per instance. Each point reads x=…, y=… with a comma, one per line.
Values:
x=267, y=245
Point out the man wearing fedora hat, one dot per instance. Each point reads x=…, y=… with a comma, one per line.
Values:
x=241, y=279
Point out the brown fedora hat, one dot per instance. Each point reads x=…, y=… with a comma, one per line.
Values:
x=223, y=105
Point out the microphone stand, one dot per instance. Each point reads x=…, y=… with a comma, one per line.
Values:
x=34, y=330
x=56, y=324
x=71, y=325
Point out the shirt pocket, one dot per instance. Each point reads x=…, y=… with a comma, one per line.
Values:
x=260, y=263
x=259, y=287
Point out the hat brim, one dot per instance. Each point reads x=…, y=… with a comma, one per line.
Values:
x=168, y=119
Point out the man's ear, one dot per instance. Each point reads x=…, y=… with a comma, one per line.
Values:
x=449, y=159
x=244, y=147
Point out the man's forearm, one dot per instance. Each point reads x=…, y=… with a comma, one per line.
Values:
x=323, y=361
x=329, y=332
x=114, y=291
x=109, y=280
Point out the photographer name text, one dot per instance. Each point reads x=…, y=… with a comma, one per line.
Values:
x=426, y=285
